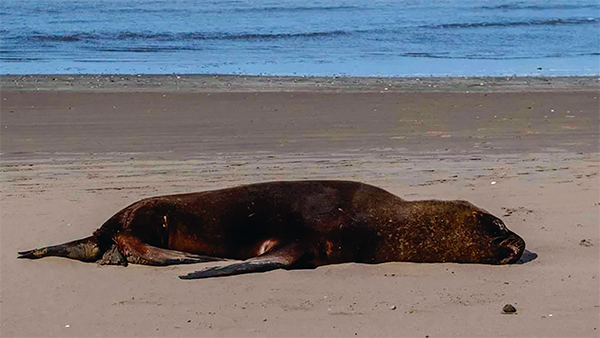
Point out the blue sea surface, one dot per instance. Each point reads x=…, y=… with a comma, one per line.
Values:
x=312, y=38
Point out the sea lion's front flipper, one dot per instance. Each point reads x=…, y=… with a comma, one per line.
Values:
x=277, y=259
x=138, y=252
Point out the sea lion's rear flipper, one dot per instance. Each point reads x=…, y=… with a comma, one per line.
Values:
x=86, y=249
x=137, y=252
x=281, y=258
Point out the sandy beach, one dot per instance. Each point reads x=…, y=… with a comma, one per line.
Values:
x=76, y=149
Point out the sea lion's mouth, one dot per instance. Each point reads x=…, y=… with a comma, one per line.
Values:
x=515, y=246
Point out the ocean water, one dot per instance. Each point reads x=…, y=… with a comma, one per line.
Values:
x=318, y=38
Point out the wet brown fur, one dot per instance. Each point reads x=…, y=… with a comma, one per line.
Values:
x=294, y=224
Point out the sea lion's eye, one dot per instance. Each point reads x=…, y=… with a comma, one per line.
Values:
x=500, y=224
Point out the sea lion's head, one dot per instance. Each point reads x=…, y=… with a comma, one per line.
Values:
x=506, y=247
x=458, y=231
x=487, y=239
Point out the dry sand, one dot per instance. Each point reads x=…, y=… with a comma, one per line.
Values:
x=73, y=155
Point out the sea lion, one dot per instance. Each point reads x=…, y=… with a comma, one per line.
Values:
x=293, y=224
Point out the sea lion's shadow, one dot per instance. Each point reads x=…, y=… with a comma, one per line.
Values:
x=527, y=257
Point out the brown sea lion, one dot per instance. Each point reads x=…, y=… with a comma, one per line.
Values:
x=293, y=224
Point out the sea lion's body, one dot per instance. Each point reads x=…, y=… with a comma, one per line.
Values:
x=294, y=224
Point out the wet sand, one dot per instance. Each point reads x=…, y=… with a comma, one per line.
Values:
x=75, y=152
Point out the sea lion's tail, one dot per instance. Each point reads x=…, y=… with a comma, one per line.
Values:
x=86, y=249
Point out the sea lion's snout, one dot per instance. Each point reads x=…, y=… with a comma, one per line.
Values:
x=514, y=247
x=508, y=247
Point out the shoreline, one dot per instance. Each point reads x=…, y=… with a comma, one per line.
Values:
x=185, y=124
x=241, y=83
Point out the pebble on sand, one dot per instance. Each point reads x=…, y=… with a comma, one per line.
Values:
x=509, y=309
